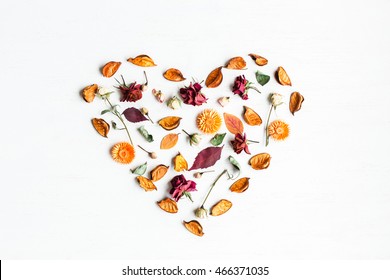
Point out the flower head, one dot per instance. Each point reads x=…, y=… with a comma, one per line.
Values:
x=209, y=121
x=223, y=101
x=276, y=99
x=201, y=213
x=131, y=92
x=159, y=95
x=240, y=144
x=191, y=95
x=181, y=186
x=123, y=152
x=278, y=130
x=174, y=103
x=241, y=86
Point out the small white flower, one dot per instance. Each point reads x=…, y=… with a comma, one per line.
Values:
x=276, y=99
x=103, y=91
x=201, y=213
x=223, y=101
x=174, y=103
x=195, y=139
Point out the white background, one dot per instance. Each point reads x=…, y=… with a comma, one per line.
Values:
x=326, y=194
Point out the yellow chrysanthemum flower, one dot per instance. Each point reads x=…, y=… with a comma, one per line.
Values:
x=278, y=130
x=123, y=153
x=209, y=121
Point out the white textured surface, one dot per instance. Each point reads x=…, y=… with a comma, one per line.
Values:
x=326, y=194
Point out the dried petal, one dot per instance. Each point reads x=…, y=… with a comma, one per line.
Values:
x=169, y=141
x=168, y=205
x=89, y=92
x=146, y=184
x=110, y=68
x=158, y=172
x=236, y=63
x=179, y=163
x=221, y=207
x=169, y=123
x=215, y=78
x=194, y=227
x=259, y=60
x=282, y=76
x=296, y=100
x=142, y=60
x=240, y=185
x=101, y=126
x=260, y=161
x=174, y=75
x=233, y=124
x=251, y=117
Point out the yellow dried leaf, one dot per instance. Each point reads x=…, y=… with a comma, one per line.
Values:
x=260, y=161
x=194, y=227
x=101, y=126
x=296, y=100
x=89, y=92
x=221, y=207
x=142, y=60
x=110, y=68
x=146, y=184
x=168, y=205
x=179, y=163
x=283, y=78
x=169, y=141
x=215, y=78
x=158, y=172
x=174, y=75
x=240, y=185
x=236, y=63
x=169, y=123
x=251, y=117
x=259, y=60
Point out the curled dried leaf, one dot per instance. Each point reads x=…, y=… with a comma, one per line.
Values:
x=110, y=68
x=169, y=141
x=259, y=60
x=168, y=205
x=89, y=92
x=215, y=78
x=158, y=172
x=146, y=184
x=260, y=161
x=179, y=163
x=282, y=76
x=169, y=123
x=236, y=63
x=240, y=185
x=101, y=126
x=296, y=100
x=233, y=124
x=174, y=75
x=142, y=60
x=194, y=227
x=221, y=207
x=251, y=117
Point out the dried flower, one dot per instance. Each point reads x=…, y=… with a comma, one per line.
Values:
x=201, y=213
x=223, y=101
x=199, y=175
x=152, y=155
x=159, y=95
x=102, y=91
x=194, y=138
x=278, y=130
x=209, y=121
x=145, y=112
x=123, y=152
x=241, y=87
x=276, y=99
x=240, y=144
x=181, y=186
x=174, y=103
x=131, y=92
x=144, y=87
x=191, y=95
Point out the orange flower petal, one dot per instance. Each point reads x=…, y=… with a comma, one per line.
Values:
x=123, y=152
x=209, y=121
x=278, y=130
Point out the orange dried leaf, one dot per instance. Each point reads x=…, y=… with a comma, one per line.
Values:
x=233, y=124
x=110, y=68
x=101, y=126
x=169, y=141
x=146, y=184
x=296, y=100
x=158, y=172
x=168, y=205
x=89, y=92
x=215, y=78
x=240, y=185
x=179, y=163
x=221, y=207
x=260, y=161
x=142, y=60
x=194, y=227
x=283, y=78
x=169, y=123
x=259, y=60
x=236, y=63
x=251, y=117
x=174, y=75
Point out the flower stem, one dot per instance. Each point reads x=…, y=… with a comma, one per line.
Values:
x=186, y=133
x=212, y=186
x=146, y=78
x=115, y=112
x=252, y=87
x=266, y=127
x=149, y=118
x=251, y=141
x=143, y=149
x=208, y=171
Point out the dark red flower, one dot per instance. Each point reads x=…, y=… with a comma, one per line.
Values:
x=181, y=186
x=240, y=88
x=130, y=93
x=240, y=143
x=191, y=95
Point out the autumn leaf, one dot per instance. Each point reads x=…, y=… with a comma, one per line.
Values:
x=259, y=60
x=215, y=78
x=169, y=123
x=217, y=139
x=251, y=117
x=134, y=115
x=236, y=63
x=261, y=78
x=241, y=185
x=207, y=157
x=169, y=141
x=179, y=163
x=110, y=68
x=142, y=60
x=233, y=124
x=194, y=227
x=146, y=184
x=140, y=170
x=168, y=205
x=260, y=161
x=296, y=100
x=89, y=92
x=174, y=75
x=221, y=207
x=101, y=126
x=158, y=172
x=148, y=137
x=282, y=76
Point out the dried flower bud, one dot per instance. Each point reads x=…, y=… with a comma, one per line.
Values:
x=195, y=139
x=144, y=87
x=174, y=103
x=223, y=101
x=198, y=175
x=201, y=213
x=153, y=155
x=159, y=95
x=144, y=111
x=276, y=99
x=102, y=91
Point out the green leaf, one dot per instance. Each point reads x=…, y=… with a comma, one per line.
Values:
x=140, y=170
x=217, y=139
x=105, y=111
x=261, y=78
x=235, y=164
x=145, y=134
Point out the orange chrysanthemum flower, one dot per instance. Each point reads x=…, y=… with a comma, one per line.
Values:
x=278, y=130
x=123, y=152
x=209, y=121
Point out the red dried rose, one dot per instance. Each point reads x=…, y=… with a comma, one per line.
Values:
x=191, y=95
x=241, y=86
x=240, y=143
x=130, y=93
x=181, y=186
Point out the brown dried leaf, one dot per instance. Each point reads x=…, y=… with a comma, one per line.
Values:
x=168, y=205
x=215, y=78
x=296, y=100
x=142, y=60
x=236, y=63
x=169, y=141
x=158, y=172
x=259, y=60
x=169, y=123
x=240, y=185
x=110, y=68
x=221, y=207
x=260, y=161
x=179, y=163
x=101, y=126
x=194, y=227
x=89, y=92
x=174, y=75
x=282, y=76
x=233, y=124
x=251, y=117
x=146, y=184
